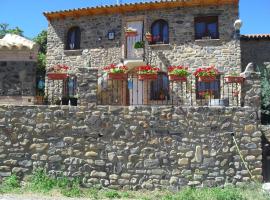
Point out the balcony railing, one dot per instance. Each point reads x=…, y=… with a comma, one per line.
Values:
x=163, y=91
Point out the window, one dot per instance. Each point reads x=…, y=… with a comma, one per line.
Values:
x=206, y=28
x=73, y=38
x=160, y=88
x=204, y=89
x=70, y=87
x=160, y=32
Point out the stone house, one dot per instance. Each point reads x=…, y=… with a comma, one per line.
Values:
x=18, y=62
x=141, y=147
x=191, y=33
x=255, y=48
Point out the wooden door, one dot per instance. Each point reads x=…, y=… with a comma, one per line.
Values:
x=130, y=41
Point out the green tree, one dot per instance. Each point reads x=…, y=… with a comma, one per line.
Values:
x=4, y=29
x=41, y=40
x=265, y=81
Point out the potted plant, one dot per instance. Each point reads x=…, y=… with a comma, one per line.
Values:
x=148, y=37
x=138, y=46
x=74, y=100
x=234, y=77
x=130, y=32
x=58, y=72
x=178, y=73
x=207, y=74
x=147, y=72
x=116, y=72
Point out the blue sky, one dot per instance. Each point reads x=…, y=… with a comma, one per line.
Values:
x=27, y=14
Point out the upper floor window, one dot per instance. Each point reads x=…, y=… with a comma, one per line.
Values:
x=160, y=32
x=206, y=27
x=73, y=38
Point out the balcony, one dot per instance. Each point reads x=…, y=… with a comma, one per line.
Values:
x=131, y=91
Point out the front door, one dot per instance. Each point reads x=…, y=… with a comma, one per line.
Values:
x=135, y=91
x=130, y=41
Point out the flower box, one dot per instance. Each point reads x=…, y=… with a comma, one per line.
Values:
x=57, y=76
x=206, y=79
x=177, y=78
x=234, y=79
x=147, y=76
x=131, y=33
x=117, y=76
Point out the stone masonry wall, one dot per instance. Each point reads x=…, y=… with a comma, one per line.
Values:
x=256, y=51
x=224, y=53
x=17, y=78
x=132, y=147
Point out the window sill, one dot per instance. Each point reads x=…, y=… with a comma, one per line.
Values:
x=159, y=45
x=73, y=52
x=207, y=40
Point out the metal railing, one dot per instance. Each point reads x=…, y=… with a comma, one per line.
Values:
x=163, y=91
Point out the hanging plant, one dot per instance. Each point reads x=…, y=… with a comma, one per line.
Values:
x=234, y=77
x=58, y=72
x=147, y=72
x=207, y=74
x=130, y=32
x=178, y=73
x=116, y=72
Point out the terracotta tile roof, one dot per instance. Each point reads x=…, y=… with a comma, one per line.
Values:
x=255, y=36
x=129, y=7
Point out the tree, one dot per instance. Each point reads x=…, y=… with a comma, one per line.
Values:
x=4, y=29
x=265, y=81
x=41, y=40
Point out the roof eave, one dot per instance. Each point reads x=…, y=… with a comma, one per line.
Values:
x=123, y=8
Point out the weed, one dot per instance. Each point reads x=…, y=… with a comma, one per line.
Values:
x=112, y=194
x=10, y=184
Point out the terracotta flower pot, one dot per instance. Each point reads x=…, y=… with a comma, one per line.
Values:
x=207, y=79
x=117, y=76
x=177, y=78
x=147, y=76
x=149, y=38
x=57, y=76
x=234, y=79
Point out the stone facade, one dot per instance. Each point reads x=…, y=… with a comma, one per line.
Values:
x=97, y=51
x=256, y=51
x=132, y=147
x=17, y=78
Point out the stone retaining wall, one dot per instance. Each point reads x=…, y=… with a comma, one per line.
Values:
x=132, y=147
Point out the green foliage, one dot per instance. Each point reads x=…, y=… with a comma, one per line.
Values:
x=10, y=184
x=265, y=82
x=41, y=40
x=112, y=194
x=139, y=45
x=41, y=182
x=41, y=65
x=70, y=188
x=4, y=29
x=206, y=194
